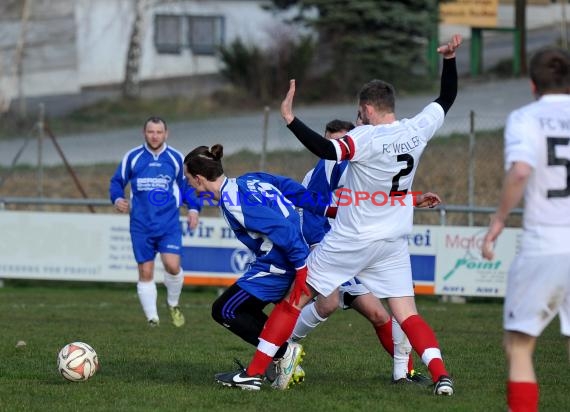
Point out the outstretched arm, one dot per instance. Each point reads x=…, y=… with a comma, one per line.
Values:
x=448, y=88
x=313, y=141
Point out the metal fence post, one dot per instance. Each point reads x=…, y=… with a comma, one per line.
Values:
x=471, y=166
x=40, y=150
x=564, y=25
x=442, y=216
x=264, y=138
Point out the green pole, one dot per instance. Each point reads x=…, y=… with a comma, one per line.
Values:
x=433, y=56
x=520, y=35
x=433, y=42
x=516, y=52
x=476, y=51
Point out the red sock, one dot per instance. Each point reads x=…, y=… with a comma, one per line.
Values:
x=522, y=396
x=421, y=337
x=410, y=363
x=384, y=333
x=277, y=330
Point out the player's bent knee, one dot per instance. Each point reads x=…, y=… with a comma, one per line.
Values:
x=217, y=311
x=378, y=318
x=326, y=307
x=172, y=270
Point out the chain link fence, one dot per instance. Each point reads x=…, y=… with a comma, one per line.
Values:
x=463, y=164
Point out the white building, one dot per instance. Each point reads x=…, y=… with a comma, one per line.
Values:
x=69, y=46
x=78, y=48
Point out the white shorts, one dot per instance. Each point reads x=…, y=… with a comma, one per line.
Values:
x=538, y=288
x=354, y=288
x=383, y=266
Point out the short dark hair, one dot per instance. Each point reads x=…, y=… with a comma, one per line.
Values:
x=550, y=70
x=336, y=125
x=379, y=94
x=155, y=119
x=205, y=161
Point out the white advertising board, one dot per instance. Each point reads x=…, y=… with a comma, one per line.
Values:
x=73, y=246
x=66, y=246
x=70, y=246
x=461, y=270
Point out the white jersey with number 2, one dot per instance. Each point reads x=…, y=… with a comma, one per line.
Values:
x=383, y=160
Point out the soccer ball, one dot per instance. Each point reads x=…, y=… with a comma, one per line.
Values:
x=77, y=362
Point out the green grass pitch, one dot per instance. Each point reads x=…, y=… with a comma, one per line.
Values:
x=169, y=369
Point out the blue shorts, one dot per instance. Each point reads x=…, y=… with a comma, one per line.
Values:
x=264, y=285
x=145, y=246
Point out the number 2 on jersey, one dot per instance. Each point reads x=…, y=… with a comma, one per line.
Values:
x=404, y=172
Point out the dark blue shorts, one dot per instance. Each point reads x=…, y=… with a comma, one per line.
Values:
x=264, y=285
x=145, y=246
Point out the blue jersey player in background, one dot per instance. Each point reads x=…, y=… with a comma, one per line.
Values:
x=260, y=209
x=158, y=187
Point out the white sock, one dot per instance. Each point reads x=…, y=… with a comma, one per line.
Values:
x=308, y=320
x=173, y=285
x=402, y=349
x=147, y=296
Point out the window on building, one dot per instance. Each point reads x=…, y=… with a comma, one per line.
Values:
x=201, y=34
x=168, y=33
x=205, y=33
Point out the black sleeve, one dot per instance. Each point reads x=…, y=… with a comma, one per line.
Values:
x=448, y=88
x=313, y=141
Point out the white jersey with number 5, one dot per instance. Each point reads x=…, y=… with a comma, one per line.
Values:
x=539, y=134
x=384, y=160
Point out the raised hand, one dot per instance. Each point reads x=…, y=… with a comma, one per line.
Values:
x=287, y=103
x=448, y=50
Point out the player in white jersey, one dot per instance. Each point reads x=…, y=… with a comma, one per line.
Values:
x=368, y=238
x=326, y=177
x=537, y=160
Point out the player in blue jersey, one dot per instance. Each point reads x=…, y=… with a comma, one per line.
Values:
x=158, y=187
x=325, y=178
x=260, y=209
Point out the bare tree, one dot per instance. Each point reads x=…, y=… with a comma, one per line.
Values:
x=19, y=58
x=131, y=83
x=4, y=98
